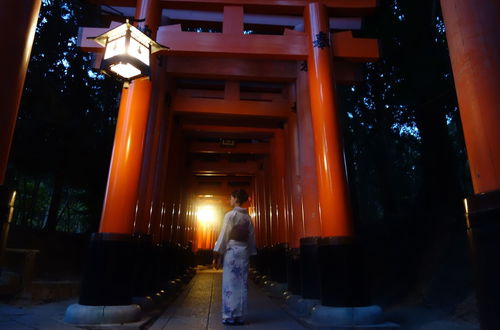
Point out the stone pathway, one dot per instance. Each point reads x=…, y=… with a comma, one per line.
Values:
x=199, y=307
x=43, y=317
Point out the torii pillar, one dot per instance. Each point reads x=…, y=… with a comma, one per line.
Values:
x=19, y=18
x=107, y=283
x=338, y=257
x=474, y=43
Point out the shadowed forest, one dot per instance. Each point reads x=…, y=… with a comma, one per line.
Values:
x=406, y=159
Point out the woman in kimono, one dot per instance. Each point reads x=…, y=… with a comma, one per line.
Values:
x=236, y=243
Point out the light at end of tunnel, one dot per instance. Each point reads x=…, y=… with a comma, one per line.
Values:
x=206, y=196
x=206, y=215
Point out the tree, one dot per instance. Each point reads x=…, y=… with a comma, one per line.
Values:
x=67, y=117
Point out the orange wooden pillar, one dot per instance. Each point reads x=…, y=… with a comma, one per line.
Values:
x=263, y=210
x=160, y=213
x=172, y=187
x=121, y=194
x=335, y=208
x=126, y=164
x=150, y=10
x=279, y=168
x=156, y=226
x=474, y=44
x=270, y=202
x=307, y=163
x=277, y=254
x=304, y=275
x=149, y=179
x=336, y=256
x=296, y=225
x=18, y=21
x=258, y=210
x=114, y=249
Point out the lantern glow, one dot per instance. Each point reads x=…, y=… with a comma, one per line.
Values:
x=127, y=52
x=127, y=71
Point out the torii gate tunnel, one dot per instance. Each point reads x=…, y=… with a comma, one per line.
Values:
x=258, y=111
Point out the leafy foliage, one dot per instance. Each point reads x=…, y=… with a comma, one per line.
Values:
x=402, y=124
x=397, y=123
x=65, y=127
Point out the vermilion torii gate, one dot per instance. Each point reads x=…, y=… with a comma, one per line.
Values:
x=233, y=56
x=273, y=95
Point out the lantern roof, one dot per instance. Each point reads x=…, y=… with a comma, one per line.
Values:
x=135, y=33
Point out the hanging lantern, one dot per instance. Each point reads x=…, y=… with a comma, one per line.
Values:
x=127, y=52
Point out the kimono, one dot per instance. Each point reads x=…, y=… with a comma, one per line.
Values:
x=236, y=255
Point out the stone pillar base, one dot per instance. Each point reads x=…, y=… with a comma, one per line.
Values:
x=145, y=303
x=299, y=306
x=348, y=318
x=88, y=315
x=277, y=290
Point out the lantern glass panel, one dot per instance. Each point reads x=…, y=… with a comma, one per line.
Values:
x=139, y=36
x=115, y=47
x=127, y=70
x=139, y=51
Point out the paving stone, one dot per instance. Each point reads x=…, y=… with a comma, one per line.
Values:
x=199, y=307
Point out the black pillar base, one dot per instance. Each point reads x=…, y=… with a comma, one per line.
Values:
x=293, y=271
x=483, y=229
x=309, y=268
x=342, y=275
x=204, y=257
x=278, y=262
x=107, y=278
x=143, y=261
x=266, y=261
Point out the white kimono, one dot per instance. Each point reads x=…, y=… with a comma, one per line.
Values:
x=235, y=267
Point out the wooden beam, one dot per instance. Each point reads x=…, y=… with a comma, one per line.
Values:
x=284, y=7
x=88, y=45
x=212, y=190
x=291, y=46
x=215, y=94
x=348, y=73
x=339, y=23
x=183, y=104
x=227, y=129
x=227, y=132
x=224, y=167
x=232, y=121
x=124, y=3
x=240, y=148
x=230, y=68
x=224, y=179
x=286, y=47
x=347, y=48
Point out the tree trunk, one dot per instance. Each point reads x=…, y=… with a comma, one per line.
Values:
x=440, y=191
x=55, y=201
x=34, y=197
x=22, y=205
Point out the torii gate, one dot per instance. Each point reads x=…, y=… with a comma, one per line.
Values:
x=471, y=33
x=230, y=55
x=304, y=62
